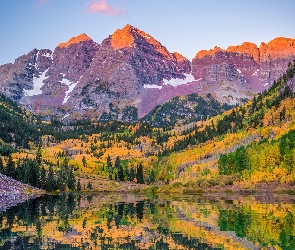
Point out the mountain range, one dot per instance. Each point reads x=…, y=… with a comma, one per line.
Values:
x=130, y=73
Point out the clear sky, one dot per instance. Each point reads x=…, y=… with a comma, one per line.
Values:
x=185, y=26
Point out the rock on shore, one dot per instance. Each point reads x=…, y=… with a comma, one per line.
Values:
x=13, y=192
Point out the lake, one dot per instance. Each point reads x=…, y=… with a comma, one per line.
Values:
x=118, y=221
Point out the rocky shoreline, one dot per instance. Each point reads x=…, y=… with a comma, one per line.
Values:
x=13, y=192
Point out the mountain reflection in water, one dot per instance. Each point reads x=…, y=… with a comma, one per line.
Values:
x=116, y=221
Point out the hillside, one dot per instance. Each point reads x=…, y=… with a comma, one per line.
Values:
x=185, y=109
x=18, y=126
x=244, y=146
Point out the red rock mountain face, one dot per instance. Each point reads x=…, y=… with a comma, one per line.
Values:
x=251, y=67
x=130, y=68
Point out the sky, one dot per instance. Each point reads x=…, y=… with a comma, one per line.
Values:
x=184, y=26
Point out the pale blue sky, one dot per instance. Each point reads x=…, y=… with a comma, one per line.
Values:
x=185, y=26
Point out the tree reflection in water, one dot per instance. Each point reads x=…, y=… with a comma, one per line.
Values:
x=97, y=221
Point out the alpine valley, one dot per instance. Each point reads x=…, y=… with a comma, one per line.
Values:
x=127, y=114
x=131, y=146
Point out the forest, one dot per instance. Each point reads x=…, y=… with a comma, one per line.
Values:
x=253, y=142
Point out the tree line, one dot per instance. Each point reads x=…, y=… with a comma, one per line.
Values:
x=36, y=173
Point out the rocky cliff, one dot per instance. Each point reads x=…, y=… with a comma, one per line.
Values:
x=244, y=69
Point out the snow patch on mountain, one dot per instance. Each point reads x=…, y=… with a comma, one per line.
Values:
x=37, y=85
x=176, y=81
x=152, y=86
x=71, y=86
x=48, y=55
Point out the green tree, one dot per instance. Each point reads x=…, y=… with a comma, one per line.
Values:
x=1, y=166
x=152, y=177
x=42, y=177
x=10, y=168
x=89, y=185
x=63, y=175
x=118, y=166
x=51, y=182
x=109, y=167
x=132, y=173
x=84, y=162
x=34, y=173
x=71, y=180
x=39, y=156
x=139, y=174
x=283, y=114
x=79, y=185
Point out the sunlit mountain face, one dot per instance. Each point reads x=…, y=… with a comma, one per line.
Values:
x=132, y=70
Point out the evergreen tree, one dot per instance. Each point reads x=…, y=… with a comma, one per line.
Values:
x=84, y=162
x=118, y=166
x=10, y=168
x=109, y=167
x=89, y=185
x=20, y=172
x=152, y=176
x=39, y=156
x=62, y=181
x=132, y=173
x=1, y=166
x=42, y=177
x=79, y=185
x=34, y=173
x=109, y=163
x=126, y=174
x=71, y=180
x=283, y=114
x=50, y=185
x=139, y=174
x=254, y=105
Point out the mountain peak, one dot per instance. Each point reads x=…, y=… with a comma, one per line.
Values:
x=130, y=36
x=77, y=39
x=246, y=48
x=122, y=38
x=277, y=48
x=211, y=52
x=179, y=57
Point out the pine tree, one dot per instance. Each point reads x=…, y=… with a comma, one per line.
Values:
x=132, y=173
x=109, y=167
x=63, y=175
x=118, y=166
x=1, y=166
x=71, y=180
x=34, y=173
x=84, y=162
x=42, y=177
x=109, y=163
x=152, y=176
x=10, y=168
x=79, y=185
x=39, y=156
x=139, y=174
x=89, y=185
x=50, y=185
x=127, y=174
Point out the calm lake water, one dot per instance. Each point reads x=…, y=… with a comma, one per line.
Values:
x=117, y=221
